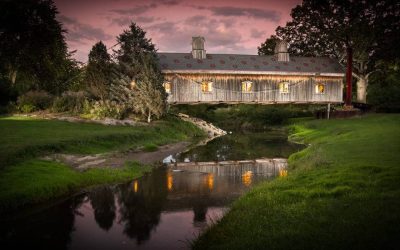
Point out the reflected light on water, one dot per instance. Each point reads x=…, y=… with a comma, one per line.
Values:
x=210, y=181
x=135, y=186
x=283, y=173
x=170, y=181
x=246, y=178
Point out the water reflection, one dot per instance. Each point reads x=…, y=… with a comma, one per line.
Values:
x=242, y=146
x=161, y=210
x=103, y=204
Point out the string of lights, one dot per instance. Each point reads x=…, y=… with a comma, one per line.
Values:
x=290, y=85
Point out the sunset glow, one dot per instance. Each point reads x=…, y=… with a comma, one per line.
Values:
x=228, y=26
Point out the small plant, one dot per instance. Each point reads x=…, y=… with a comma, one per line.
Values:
x=150, y=147
x=27, y=108
x=34, y=100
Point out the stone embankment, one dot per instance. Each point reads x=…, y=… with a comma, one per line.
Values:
x=211, y=130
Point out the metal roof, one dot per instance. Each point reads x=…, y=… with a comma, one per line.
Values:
x=248, y=64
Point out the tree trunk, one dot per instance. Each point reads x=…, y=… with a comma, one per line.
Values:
x=362, y=84
x=149, y=117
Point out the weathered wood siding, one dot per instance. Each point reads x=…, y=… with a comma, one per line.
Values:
x=265, y=89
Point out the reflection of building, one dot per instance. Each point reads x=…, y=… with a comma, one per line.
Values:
x=231, y=78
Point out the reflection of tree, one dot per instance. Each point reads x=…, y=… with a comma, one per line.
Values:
x=140, y=211
x=241, y=146
x=50, y=228
x=102, y=201
x=200, y=210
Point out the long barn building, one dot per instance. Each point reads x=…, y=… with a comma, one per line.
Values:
x=198, y=77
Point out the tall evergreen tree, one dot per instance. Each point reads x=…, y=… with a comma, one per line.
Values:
x=98, y=71
x=132, y=43
x=33, y=51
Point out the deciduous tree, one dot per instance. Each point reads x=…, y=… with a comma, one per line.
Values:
x=329, y=27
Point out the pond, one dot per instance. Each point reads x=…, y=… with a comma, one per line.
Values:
x=165, y=209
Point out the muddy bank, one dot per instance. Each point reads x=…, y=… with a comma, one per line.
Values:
x=118, y=159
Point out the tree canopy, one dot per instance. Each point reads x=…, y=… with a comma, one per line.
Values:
x=328, y=27
x=133, y=42
x=268, y=47
x=33, y=51
x=98, y=71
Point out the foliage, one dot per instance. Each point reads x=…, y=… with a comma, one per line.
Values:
x=133, y=43
x=34, y=100
x=268, y=47
x=33, y=51
x=108, y=109
x=69, y=101
x=7, y=92
x=151, y=98
x=347, y=180
x=98, y=71
x=242, y=116
x=384, y=88
x=327, y=28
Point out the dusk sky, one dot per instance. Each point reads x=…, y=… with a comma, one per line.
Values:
x=229, y=26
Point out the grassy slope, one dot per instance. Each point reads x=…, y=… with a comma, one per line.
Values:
x=343, y=191
x=26, y=137
x=25, y=180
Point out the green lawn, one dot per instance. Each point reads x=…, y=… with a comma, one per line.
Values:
x=342, y=192
x=23, y=138
x=25, y=180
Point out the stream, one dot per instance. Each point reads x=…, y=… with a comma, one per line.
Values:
x=165, y=209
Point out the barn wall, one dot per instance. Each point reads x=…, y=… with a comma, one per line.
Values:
x=186, y=88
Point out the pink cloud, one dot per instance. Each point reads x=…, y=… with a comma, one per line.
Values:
x=228, y=26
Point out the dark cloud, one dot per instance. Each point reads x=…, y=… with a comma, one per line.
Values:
x=249, y=12
x=79, y=31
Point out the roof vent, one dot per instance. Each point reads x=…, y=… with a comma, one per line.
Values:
x=198, y=51
x=281, y=51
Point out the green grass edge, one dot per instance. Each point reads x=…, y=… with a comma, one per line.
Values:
x=342, y=192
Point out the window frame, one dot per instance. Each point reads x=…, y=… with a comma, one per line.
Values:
x=247, y=87
x=317, y=90
x=284, y=86
x=207, y=87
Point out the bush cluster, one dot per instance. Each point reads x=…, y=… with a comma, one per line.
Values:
x=33, y=101
x=73, y=102
x=109, y=109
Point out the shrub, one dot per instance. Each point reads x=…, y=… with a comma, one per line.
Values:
x=34, y=100
x=74, y=102
x=108, y=109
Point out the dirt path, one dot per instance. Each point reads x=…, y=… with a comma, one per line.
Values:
x=118, y=159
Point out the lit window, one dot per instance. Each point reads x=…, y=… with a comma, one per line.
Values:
x=284, y=87
x=206, y=87
x=247, y=86
x=320, y=88
x=167, y=86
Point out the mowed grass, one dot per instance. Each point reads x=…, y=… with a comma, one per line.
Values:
x=342, y=192
x=25, y=179
x=22, y=138
x=35, y=181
